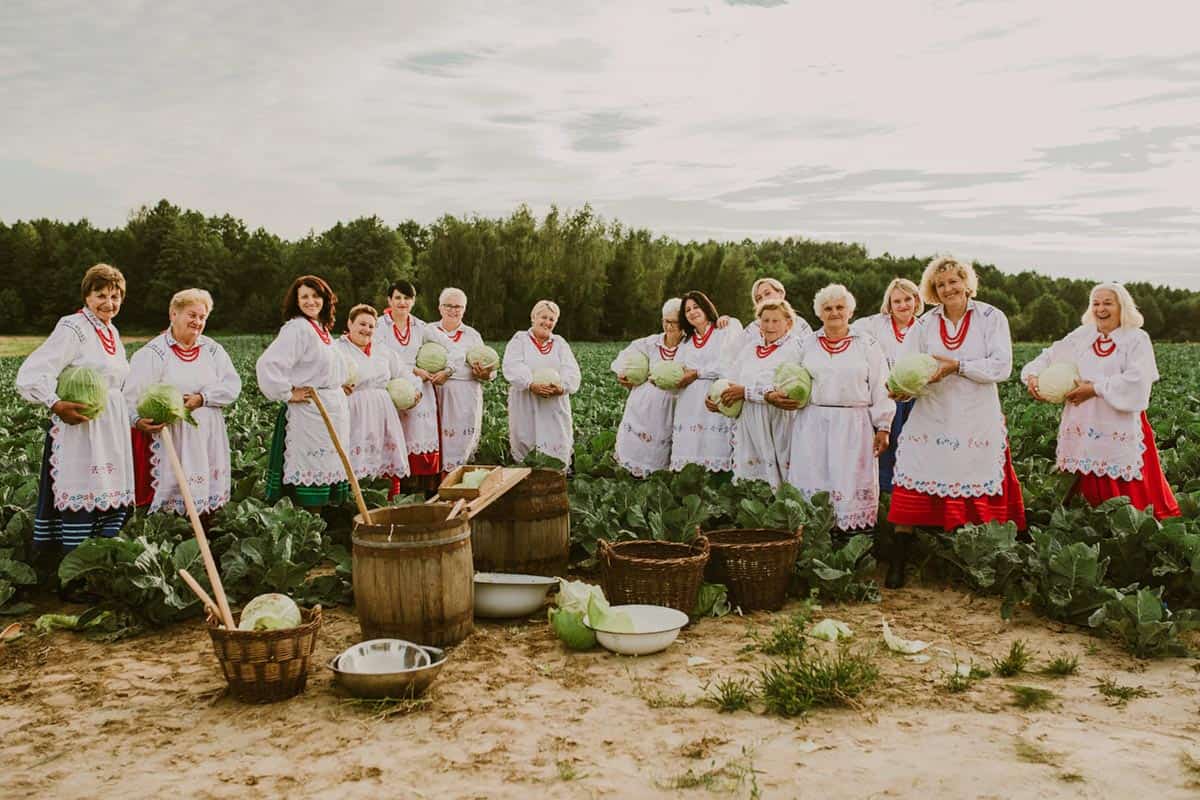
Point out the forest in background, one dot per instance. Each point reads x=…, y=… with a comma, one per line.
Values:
x=609, y=280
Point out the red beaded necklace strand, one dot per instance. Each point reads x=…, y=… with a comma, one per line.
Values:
x=108, y=339
x=324, y=334
x=544, y=349
x=954, y=342
x=1104, y=346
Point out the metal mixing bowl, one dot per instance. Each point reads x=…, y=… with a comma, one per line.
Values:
x=399, y=669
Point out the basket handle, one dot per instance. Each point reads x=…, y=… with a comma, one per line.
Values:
x=799, y=534
x=701, y=541
x=604, y=551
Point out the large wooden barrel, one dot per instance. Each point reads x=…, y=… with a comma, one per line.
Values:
x=413, y=577
x=528, y=530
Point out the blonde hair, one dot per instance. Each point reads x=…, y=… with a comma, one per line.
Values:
x=549, y=305
x=1130, y=316
x=361, y=308
x=789, y=313
x=102, y=276
x=832, y=292
x=943, y=264
x=450, y=293
x=182, y=299
x=906, y=286
x=774, y=284
x=670, y=309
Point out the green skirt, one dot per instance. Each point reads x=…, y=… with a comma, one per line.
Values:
x=318, y=495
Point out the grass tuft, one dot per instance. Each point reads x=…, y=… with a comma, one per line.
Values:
x=1033, y=753
x=1061, y=666
x=796, y=684
x=1015, y=662
x=1031, y=698
x=1117, y=695
x=731, y=694
x=958, y=682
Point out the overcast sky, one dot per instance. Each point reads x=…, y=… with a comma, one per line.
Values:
x=1061, y=136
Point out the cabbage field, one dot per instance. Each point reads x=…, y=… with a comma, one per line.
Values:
x=1042, y=676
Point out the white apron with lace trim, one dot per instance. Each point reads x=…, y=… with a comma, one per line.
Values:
x=376, y=445
x=421, y=421
x=644, y=435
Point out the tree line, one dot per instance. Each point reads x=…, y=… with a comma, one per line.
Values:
x=609, y=280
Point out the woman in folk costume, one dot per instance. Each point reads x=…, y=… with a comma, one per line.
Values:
x=376, y=446
x=86, y=486
x=761, y=291
x=539, y=408
x=762, y=437
x=644, y=436
x=839, y=435
x=953, y=465
x=202, y=371
x=699, y=436
x=399, y=331
x=902, y=304
x=460, y=398
x=300, y=363
x=1105, y=437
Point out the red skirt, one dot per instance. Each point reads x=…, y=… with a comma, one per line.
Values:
x=914, y=508
x=143, y=491
x=1151, y=490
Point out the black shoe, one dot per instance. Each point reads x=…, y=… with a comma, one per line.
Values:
x=901, y=542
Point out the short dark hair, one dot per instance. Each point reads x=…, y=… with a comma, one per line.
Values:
x=102, y=276
x=403, y=287
x=291, y=301
x=706, y=305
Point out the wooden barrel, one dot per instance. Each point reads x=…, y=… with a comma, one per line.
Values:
x=413, y=577
x=528, y=530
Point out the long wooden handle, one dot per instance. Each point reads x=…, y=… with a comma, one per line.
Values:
x=198, y=590
x=337, y=445
x=210, y=566
x=462, y=501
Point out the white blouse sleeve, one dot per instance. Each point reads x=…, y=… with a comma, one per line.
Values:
x=618, y=363
x=883, y=408
x=1058, y=351
x=228, y=384
x=516, y=370
x=801, y=328
x=1129, y=389
x=274, y=366
x=145, y=369
x=37, y=379
x=731, y=345
x=571, y=376
x=996, y=365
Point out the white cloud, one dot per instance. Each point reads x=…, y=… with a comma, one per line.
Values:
x=1003, y=131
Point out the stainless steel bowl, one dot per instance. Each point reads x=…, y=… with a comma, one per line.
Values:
x=414, y=668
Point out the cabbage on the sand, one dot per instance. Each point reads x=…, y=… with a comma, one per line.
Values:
x=636, y=368
x=1056, y=381
x=566, y=617
x=547, y=375
x=432, y=357
x=667, y=375
x=270, y=612
x=910, y=375
x=483, y=357
x=715, y=391
x=402, y=392
x=794, y=382
x=162, y=404
x=83, y=385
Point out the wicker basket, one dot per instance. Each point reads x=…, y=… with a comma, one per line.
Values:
x=755, y=564
x=266, y=666
x=653, y=573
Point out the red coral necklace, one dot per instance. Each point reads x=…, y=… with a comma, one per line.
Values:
x=108, y=339
x=699, y=341
x=899, y=334
x=544, y=349
x=954, y=342
x=324, y=334
x=835, y=347
x=1104, y=346
x=406, y=337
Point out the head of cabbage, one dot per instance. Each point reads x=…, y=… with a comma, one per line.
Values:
x=667, y=375
x=83, y=385
x=402, y=392
x=911, y=373
x=732, y=410
x=566, y=617
x=794, y=382
x=1056, y=381
x=269, y=612
x=636, y=368
x=547, y=375
x=162, y=404
x=483, y=357
x=432, y=357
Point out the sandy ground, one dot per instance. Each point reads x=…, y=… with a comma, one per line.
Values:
x=515, y=715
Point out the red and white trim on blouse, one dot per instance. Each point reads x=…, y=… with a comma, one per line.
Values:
x=402, y=338
x=321, y=332
x=835, y=347
x=1104, y=346
x=108, y=339
x=454, y=337
x=699, y=341
x=899, y=334
x=544, y=349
